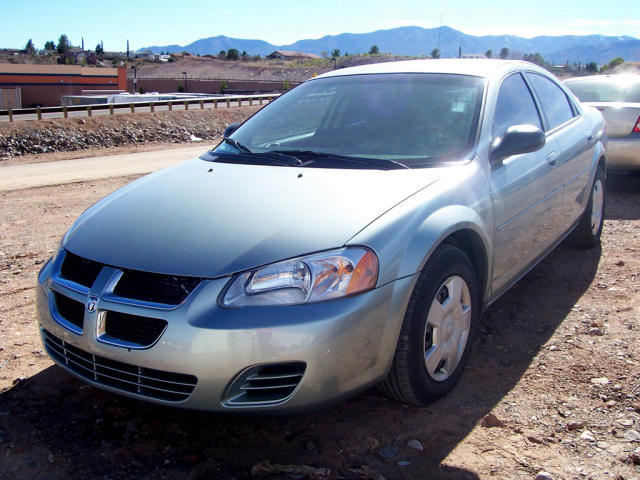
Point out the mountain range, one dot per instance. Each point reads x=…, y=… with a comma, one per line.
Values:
x=416, y=41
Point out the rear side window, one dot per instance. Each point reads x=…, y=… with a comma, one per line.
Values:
x=555, y=103
x=515, y=106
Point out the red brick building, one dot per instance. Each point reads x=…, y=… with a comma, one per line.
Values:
x=46, y=84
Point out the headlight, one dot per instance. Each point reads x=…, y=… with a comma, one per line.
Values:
x=314, y=278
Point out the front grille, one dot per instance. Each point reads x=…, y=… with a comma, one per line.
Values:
x=153, y=287
x=155, y=384
x=71, y=310
x=142, y=331
x=80, y=270
x=264, y=384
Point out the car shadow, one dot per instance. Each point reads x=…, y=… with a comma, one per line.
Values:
x=53, y=425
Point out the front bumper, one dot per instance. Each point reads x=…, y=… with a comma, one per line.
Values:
x=624, y=153
x=344, y=345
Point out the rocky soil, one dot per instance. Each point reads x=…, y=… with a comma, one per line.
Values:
x=99, y=132
x=552, y=389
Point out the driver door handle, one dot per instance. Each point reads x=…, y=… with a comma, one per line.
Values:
x=552, y=159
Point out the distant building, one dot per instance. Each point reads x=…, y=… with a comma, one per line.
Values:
x=290, y=55
x=46, y=84
x=146, y=53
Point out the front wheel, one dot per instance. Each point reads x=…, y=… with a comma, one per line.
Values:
x=587, y=233
x=437, y=330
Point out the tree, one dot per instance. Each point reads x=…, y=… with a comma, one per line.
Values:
x=49, y=45
x=29, y=49
x=233, y=54
x=534, y=58
x=99, y=49
x=63, y=44
x=245, y=55
x=222, y=54
x=504, y=53
x=591, y=67
x=615, y=62
x=335, y=53
x=488, y=53
x=435, y=53
x=374, y=50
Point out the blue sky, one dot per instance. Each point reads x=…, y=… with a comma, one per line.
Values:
x=146, y=22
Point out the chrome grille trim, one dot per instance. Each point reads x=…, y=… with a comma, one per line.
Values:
x=146, y=382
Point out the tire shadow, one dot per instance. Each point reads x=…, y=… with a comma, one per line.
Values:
x=56, y=427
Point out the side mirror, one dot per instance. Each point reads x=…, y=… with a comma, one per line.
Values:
x=230, y=129
x=516, y=140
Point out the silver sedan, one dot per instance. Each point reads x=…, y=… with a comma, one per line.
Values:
x=618, y=98
x=348, y=234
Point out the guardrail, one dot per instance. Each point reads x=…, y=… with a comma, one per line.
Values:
x=131, y=106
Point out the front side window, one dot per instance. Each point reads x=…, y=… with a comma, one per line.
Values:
x=515, y=106
x=410, y=118
x=554, y=102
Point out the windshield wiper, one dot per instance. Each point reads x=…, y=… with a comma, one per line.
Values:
x=236, y=144
x=250, y=158
x=311, y=158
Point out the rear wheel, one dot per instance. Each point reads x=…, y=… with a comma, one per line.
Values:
x=437, y=330
x=587, y=232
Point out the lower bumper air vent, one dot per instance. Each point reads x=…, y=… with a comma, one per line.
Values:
x=155, y=384
x=265, y=384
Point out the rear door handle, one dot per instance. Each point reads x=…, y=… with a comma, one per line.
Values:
x=552, y=159
x=589, y=136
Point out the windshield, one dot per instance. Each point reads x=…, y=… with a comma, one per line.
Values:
x=622, y=88
x=409, y=118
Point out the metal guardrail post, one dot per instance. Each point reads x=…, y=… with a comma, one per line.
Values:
x=170, y=105
x=260, y=100
x=239, y=102
x=215, y=103
x=88, y=110
x=133, y=107
x=111, y=109
x=39, y=113
x=64, y=111
x=152, y=105
x=250, y=101
x=228, y=103
x=186, y=105
x=201, y=104
x=10, y=115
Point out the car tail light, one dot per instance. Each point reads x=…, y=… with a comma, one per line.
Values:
x=636, y=128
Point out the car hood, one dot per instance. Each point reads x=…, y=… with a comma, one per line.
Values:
x=212, y=219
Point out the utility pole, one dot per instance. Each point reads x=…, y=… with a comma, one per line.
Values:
x=127, y=49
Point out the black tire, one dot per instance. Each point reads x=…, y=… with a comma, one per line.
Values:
x=410, y=379
x=587, y=232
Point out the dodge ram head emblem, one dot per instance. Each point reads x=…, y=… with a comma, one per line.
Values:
x=92, y=303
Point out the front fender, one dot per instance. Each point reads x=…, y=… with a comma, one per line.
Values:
x=405, y=236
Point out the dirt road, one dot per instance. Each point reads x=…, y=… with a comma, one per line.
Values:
x=30, y=175
x=553, y=383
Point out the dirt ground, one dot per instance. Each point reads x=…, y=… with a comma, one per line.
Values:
x=553, y=383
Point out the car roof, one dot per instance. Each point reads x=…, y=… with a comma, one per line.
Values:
x=485, y=68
